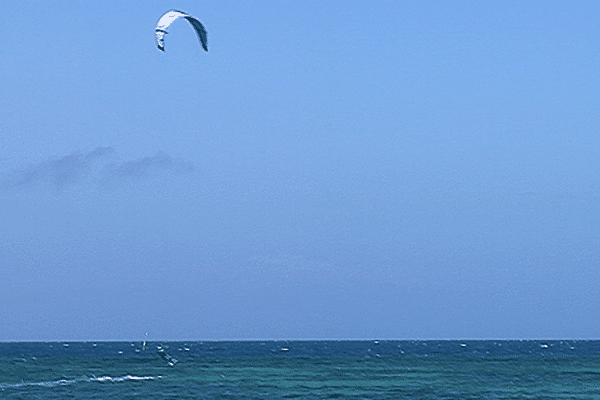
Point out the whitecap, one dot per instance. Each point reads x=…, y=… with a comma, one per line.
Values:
x=60, y=382
x=108, y=378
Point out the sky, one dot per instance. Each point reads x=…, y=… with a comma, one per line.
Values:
x=327, y=170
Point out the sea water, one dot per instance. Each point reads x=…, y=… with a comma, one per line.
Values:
x=385, y=369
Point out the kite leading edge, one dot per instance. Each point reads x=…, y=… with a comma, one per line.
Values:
x=162, y=28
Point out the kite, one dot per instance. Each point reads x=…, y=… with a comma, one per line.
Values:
x=162, y=28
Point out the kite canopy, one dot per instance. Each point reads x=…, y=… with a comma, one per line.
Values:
x=162, y=28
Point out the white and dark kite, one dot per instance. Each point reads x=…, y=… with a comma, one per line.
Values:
x=162, y=28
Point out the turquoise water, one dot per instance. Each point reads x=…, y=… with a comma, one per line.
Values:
x=301, y=369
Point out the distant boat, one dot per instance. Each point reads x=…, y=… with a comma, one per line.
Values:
x=144, y=342
x=280, y=350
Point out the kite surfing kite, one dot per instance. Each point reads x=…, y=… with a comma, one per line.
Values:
x=162, y=28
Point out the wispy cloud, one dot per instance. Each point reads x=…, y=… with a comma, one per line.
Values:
x=98, y=164
x=60, y=172
x=146, y=165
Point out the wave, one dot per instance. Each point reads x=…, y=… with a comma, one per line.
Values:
x=65, y=382
x=60, y=382
x=124, y=378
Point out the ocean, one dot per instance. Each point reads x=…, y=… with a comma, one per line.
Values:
x=365, y=369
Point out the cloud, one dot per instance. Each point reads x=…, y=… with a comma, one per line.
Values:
x=147, y=165
x=59, y=172
x=100, y=152
x=78, y=167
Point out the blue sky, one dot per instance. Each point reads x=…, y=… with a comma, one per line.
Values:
x=328, y=169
